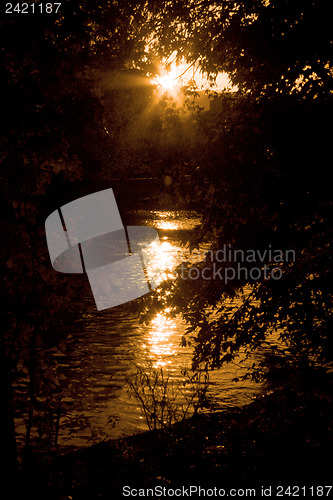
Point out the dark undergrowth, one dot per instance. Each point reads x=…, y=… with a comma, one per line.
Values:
x=281, y=438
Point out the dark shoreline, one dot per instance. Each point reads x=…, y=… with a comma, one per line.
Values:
x=284, y=438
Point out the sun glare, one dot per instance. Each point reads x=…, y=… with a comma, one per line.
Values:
x=167, y=81
x=180, y=74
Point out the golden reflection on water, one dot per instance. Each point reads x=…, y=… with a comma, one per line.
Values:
x=161, y=257
x=173, y=219
x=167, y=225
x=166, y=221
x=162, y=336
x=160, y=331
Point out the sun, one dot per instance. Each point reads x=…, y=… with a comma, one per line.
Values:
x=175, y=75
x=167, y=81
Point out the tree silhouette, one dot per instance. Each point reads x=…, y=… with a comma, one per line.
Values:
x=51, y=135
x=261, y=173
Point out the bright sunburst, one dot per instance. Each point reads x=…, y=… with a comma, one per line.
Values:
x=181, y=73
x=168, y=81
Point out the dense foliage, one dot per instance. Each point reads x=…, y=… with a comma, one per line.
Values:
x=261, y=175
x=52, y=136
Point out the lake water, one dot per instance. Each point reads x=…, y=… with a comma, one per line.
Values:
x=104, y=348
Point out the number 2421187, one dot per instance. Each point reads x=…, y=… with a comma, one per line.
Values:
x=32, y=8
